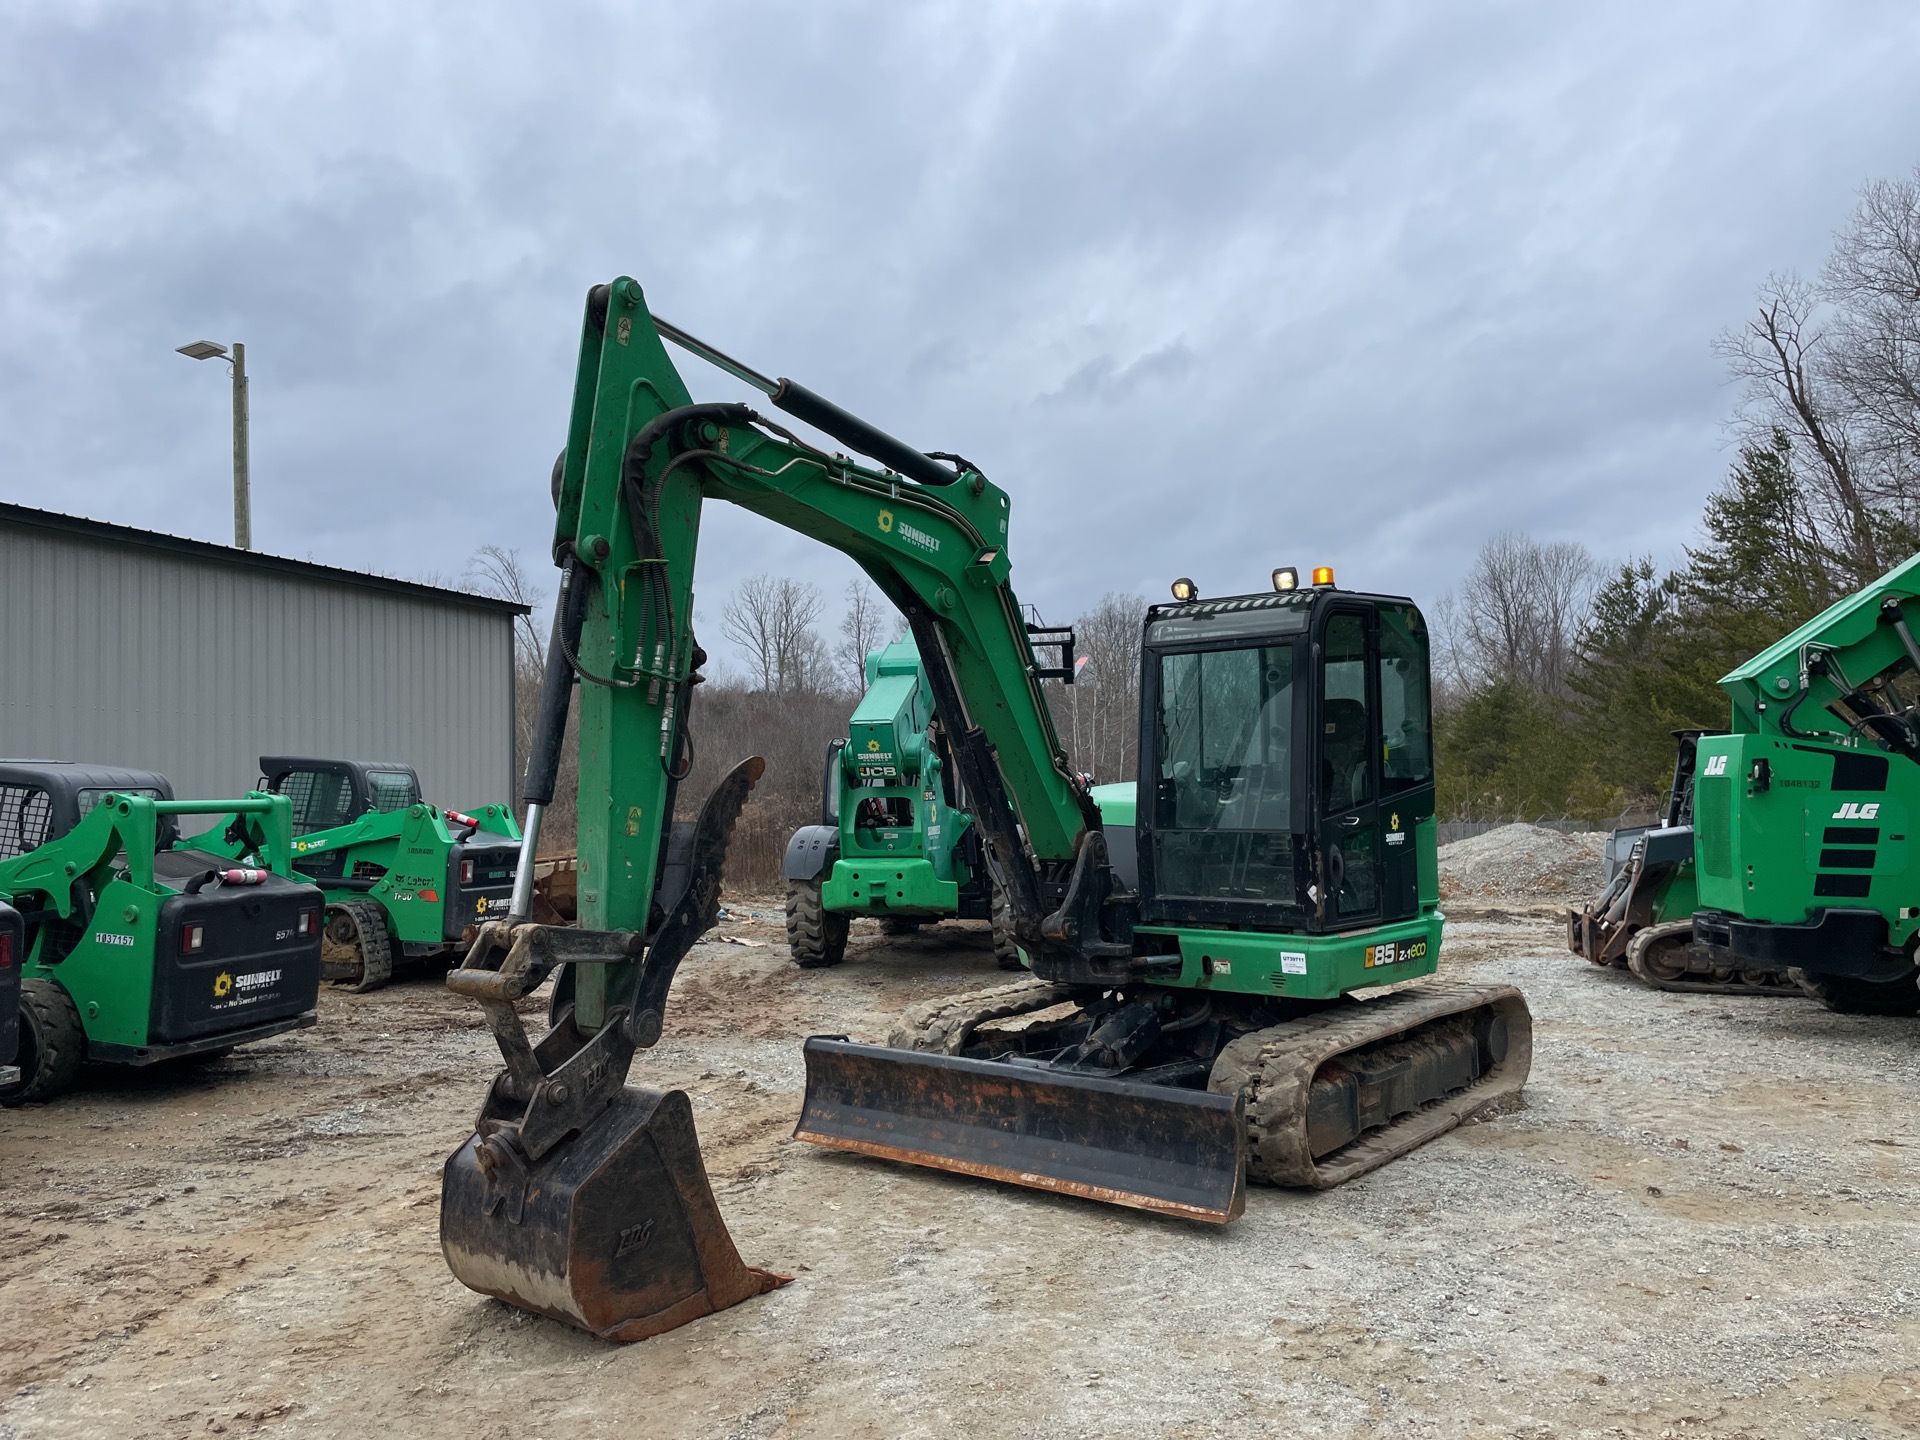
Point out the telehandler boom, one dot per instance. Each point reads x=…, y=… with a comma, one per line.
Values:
x=1185, y=1022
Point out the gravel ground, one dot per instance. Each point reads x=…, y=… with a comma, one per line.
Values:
x=1523, y=862
x=1703, y=1224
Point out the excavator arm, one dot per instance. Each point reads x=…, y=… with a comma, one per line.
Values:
x=560, y=1126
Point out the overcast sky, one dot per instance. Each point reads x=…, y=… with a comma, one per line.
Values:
x=1206, y=287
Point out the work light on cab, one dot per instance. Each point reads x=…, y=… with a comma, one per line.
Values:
x=1286, y=578
x=1185, y=589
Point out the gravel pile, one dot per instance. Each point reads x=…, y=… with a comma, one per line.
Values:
x=1524, y=863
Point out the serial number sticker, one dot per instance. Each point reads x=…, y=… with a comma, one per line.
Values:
x=1292, y=962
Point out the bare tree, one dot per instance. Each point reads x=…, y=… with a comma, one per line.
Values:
x=496, y=570
x=862, y=630
x=1099, y=714
x=1521, y=612
x=1834, y=368
x=771, y=618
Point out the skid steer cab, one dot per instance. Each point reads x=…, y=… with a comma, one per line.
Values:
x=405, y=881
x=132, y=949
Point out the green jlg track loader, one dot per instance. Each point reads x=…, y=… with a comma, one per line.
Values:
x=405, y=881
x=893, y=841
x=1191, y=1018
x=133, y=951
x=1642, y=918
x=1800, y=844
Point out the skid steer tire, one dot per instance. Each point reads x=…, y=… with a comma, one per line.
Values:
x=1006, y=952
x=816, y=936
x=1852, y=996
x=53, y=1044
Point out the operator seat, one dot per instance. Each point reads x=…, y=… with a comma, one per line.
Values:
x=1344, y=780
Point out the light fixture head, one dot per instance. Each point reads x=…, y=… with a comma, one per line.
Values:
x=1323, y=575
x=201, y=350
x=1286, y=578
x=1185, y=589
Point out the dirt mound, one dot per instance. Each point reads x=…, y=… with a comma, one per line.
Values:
x=1523, y=862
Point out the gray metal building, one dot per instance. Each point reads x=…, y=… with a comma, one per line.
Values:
x=128, y=647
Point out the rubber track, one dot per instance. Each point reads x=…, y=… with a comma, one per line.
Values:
x=811, y=937
x=946, y=1026
x=1850, y=996
x=1276, y=1068
x=376, y=946
x=1649, y=936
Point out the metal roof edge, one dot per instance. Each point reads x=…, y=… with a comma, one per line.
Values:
x=28, y=517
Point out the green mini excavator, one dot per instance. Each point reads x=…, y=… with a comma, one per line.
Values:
x=1196, y=947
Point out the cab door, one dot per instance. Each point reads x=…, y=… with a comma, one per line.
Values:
x=1347, y=748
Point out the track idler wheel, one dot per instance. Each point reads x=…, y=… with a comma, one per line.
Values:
x=616, y=1232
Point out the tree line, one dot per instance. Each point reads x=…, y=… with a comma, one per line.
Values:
x=1561, y=678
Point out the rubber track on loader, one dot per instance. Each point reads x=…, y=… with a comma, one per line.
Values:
x=1276, y=1068
x=373, y=942
x=1755, y=982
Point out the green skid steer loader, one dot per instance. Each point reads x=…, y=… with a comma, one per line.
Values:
x=403, y=880
x=894, y=841
x=131, y=949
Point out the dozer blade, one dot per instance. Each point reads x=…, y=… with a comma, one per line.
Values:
x=1153, y=1147
x=616, y=1232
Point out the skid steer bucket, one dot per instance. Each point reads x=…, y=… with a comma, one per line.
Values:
x=1153, y=1147
x=617, y=1232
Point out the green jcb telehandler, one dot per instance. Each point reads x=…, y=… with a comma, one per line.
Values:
x=1206, y=997
x=132, y=950
x=894, y=840
x=405, y=881
x=1801, y=838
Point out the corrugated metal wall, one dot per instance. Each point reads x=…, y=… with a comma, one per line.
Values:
x=124, y=654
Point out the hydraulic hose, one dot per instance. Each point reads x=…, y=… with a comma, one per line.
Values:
x=550, y=728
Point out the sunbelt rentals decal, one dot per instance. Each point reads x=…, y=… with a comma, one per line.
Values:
x=890, y=526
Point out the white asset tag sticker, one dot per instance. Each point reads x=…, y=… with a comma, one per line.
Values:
x=1292, y=962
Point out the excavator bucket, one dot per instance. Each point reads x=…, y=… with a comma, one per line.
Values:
x=1152, y=1147
x=617, y=1232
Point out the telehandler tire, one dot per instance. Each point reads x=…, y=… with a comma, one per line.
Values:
x=53, y=1044
x=1006, y=952
x=1852, y=996
x=816, y=936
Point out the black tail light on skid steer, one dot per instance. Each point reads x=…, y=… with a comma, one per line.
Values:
x=193, y=939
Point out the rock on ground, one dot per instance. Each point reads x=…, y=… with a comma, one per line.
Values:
x=1525, y=863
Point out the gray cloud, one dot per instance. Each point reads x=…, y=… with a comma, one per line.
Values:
x=1206, y=287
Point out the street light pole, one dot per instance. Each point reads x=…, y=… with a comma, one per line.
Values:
x=242, y=497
